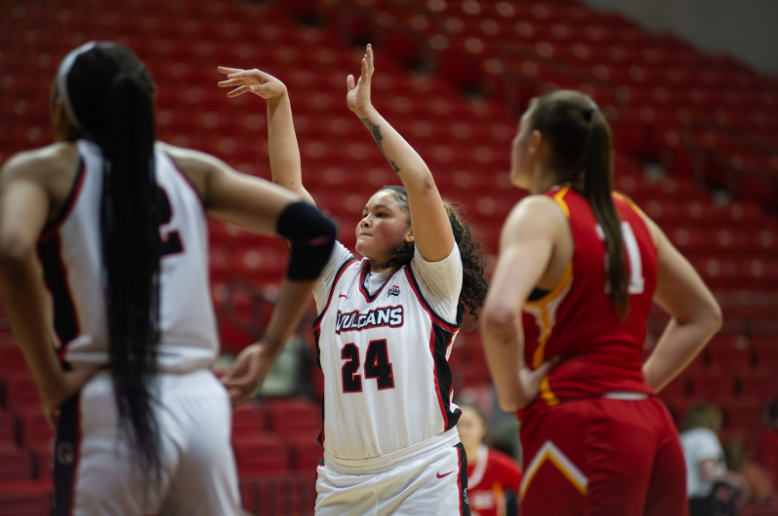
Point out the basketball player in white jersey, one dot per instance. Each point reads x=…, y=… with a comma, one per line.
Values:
x=120, y=286
x=385, y=331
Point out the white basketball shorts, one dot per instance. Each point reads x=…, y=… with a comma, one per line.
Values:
x=94, y=470
x=426, y=479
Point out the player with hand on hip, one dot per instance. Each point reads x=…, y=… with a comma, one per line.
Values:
x=565, y=321
x=385, y=328
x=104, y=246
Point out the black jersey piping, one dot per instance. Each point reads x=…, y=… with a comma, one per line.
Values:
x=78, y=183
x=460, y=307
x=363, y=279
x=340, y=272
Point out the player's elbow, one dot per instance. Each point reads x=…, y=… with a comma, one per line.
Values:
x=420, y=181
x=508, y=405
x=714, y=316
x=499, y=320
x=708, y=315
x=14, y=249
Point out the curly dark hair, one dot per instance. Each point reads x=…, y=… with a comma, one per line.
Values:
x=474, y=283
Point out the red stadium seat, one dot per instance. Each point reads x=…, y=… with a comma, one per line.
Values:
x=35, y=428
x=714, y=383
x=44, y=461
x=305, y=454
x=21, y=393
x=12, y=361
x=8, y=427
x=745, y=412
x=15, y=464
x=761, y=384
x=295, y=418
x=730, y=352
x=247, y=422
x=20, y=498
x=766, y=349
x=263, y=455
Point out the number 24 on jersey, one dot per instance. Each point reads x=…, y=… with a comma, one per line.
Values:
x=377, y=366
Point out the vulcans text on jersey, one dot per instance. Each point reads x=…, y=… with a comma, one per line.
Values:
x=391, y=316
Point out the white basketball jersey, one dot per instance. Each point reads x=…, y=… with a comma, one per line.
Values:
x=385, y=362
x=70, y=252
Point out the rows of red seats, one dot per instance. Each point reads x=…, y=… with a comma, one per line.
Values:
x=465, y=141
x=664, y=80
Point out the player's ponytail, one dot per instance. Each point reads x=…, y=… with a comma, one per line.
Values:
x=598, y=190
x=474, y=282
x=131, y=249
x=110, y=97
x=582, y=154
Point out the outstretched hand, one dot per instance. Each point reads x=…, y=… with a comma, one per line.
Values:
x=252, y=81
x=358, y=96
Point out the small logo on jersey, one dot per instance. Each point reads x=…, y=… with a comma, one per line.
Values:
x=65, y=453
x=391, y=316
x=341, y=295
x=394, y=291
x=445, y=474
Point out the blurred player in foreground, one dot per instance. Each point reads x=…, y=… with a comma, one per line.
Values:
x=493, y=478
x=118, y=223
x=565, y=321
x=385, y=330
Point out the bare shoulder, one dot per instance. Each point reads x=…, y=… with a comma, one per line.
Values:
x=46, y=164
x=192, y=160
x=536, y=212
x=657, y=235
x=198, y=167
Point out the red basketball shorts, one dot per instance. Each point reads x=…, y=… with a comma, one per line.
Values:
x=602, y=457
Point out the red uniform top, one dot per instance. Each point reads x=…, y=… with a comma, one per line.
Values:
x=488, y=479
x=577, y=320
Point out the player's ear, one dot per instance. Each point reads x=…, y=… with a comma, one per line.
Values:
x=409, y=235
x=60, y=126
x=535, y=142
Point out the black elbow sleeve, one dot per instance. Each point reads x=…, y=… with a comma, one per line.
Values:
x=311, y=236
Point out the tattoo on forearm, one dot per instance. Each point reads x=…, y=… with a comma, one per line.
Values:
x=375, y=130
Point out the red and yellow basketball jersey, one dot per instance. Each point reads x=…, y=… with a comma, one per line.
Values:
x=488, y=479
x=577, y=320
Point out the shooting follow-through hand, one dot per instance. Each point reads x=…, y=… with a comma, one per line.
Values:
x=252, y=81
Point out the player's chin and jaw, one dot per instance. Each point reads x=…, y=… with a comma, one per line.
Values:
x=376, y=242
x=520, y=175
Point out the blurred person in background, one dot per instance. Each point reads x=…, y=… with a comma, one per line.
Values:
x=565, y=321
x=710, y=485
x=493, y=478
x=766, y=452
x=759, y=480
x=104, y=267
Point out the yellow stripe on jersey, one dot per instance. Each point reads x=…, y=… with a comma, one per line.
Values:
x=544, y=311
x=547, y=394
x=499, y=499
x=559, y=197
x=629, y=201
x=550, y=452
